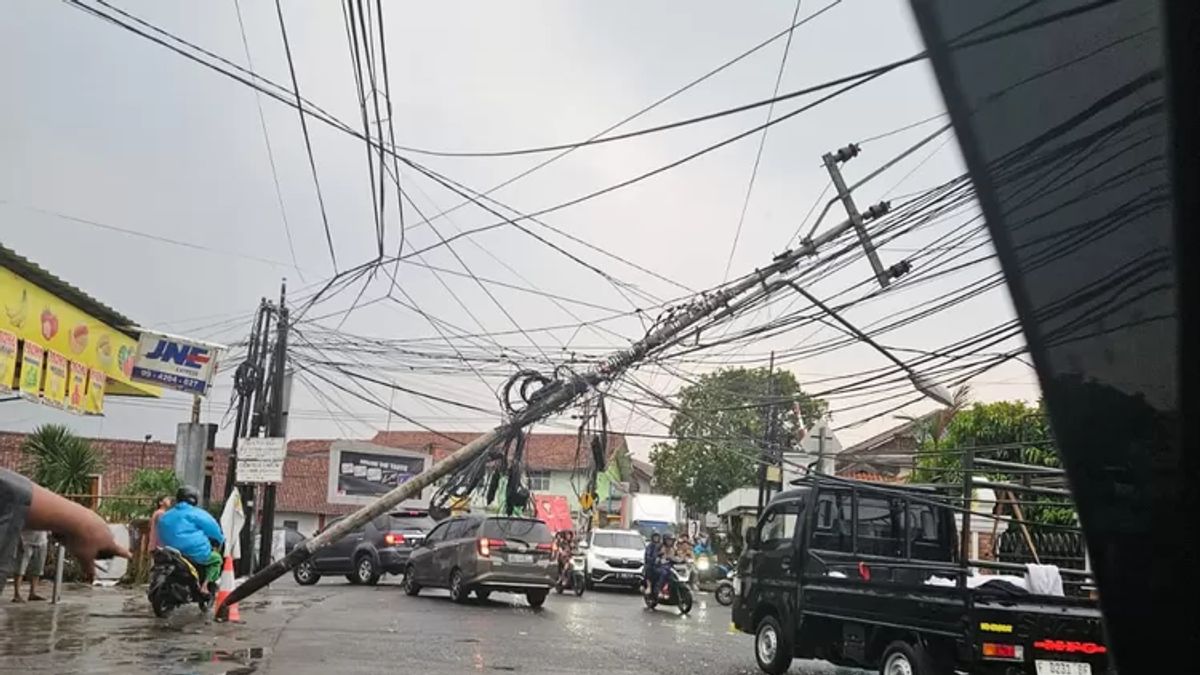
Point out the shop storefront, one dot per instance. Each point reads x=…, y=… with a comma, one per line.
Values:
x=59, y=346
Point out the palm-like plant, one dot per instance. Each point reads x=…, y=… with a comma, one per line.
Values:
x=60, y=461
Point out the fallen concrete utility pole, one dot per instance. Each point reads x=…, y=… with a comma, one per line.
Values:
x=555, y=397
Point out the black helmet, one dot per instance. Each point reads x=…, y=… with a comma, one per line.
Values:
x=188, y=494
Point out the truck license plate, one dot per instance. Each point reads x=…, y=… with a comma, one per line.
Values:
x=520, y=558
x=1063, y=668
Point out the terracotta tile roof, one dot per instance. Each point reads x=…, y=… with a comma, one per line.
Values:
x=543, y=452
x=306, y=469
x=871, y=477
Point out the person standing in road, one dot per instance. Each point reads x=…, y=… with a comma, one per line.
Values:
x=31, y=563
x=164, y=503
x=24, y=504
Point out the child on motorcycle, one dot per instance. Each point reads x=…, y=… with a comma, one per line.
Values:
x=566, y=548
x=667, y=557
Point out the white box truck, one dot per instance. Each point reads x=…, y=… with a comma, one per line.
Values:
x=650, y=513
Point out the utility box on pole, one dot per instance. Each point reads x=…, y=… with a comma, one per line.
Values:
x=192, y=443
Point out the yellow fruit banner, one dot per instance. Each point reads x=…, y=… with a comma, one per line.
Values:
x=77, y=386
x=54, y=390
x=94, y=403
x=35, y=315
x=32, y=358
x=8, y=361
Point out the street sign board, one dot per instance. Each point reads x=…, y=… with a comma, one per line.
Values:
x=175, y=363
x=260, y=460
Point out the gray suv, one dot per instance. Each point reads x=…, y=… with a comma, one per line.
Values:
x=381, y=545
x=482, y=554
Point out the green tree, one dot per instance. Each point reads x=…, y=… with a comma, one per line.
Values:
x=60, y=461
x=720, y=428
x=987, y=425
x=148, y=486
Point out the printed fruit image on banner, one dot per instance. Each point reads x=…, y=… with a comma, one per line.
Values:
x=94, y=401
x=38, y=316
x=54, y=391
x=77, y=387
x=8, y=361
x=78, y=338
x=32, y=359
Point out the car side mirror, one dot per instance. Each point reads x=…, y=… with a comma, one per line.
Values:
x=752, y=540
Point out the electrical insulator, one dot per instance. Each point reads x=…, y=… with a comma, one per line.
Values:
x=877, y=210
x=899, y=269
x=846, y=153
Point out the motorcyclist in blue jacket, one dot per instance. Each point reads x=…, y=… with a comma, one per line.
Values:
x=650, y=561
x=188, y=529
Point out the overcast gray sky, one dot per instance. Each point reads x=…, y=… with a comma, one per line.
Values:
x=102, y=125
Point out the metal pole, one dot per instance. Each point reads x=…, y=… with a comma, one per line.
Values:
x=831, y=165
x=275, y=425
x=56, y=592
x=558, y=396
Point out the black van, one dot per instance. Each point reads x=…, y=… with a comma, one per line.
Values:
x=867, y=575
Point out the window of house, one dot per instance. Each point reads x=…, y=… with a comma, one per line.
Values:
x=291, y=525
x=539, y=481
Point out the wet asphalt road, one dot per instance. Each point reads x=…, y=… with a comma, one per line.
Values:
x=336, y=627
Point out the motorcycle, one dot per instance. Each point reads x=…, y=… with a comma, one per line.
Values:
x=175, y=581
x=726, y=589
x=679, y=594
x=709, y=571
x=571, y=575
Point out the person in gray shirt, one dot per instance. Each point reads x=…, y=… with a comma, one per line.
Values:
x=25, y=505
x=31, y=563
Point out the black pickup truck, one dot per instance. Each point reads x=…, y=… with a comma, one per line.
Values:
x=869, y=575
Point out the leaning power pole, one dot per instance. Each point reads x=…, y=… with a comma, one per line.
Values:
x=831, y=161
x=556, y=397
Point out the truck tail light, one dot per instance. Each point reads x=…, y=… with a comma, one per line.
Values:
x=1003, y=651
x=1070, y=647
x=486, y=545
x=394, y=539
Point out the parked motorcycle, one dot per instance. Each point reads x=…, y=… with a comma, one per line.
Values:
x=571, y=575
x=175, y=581
x=679, y=594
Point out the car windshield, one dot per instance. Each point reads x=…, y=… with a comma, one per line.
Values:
x=529, y=531
x=413, y=521
x=618, y=540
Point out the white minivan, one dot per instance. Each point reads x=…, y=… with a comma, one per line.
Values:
x=615, y=557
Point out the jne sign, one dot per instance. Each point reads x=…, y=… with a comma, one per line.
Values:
x=175, y=363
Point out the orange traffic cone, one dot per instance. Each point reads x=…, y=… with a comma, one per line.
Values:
x=227, y=613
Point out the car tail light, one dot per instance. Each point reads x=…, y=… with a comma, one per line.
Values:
x=393, y=539
x=487, y=544
x=546, y=547
x=1070, y=647
x=1003, y=651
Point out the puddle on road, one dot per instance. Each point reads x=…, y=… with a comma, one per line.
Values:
x=246, y=659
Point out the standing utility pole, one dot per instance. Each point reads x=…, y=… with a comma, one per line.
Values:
x=277, y=419
x=766, y=456
x=831, y=161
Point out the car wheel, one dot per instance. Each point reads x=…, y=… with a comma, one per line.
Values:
x=458, y=592
x=772, y=647
x=305, y=574
x=366, y=570
x=536, y=598
x=482, y=594
x=411, y=587
x=902, y=658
